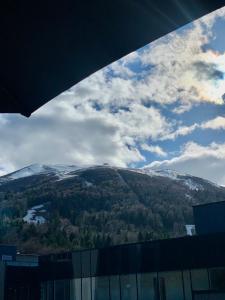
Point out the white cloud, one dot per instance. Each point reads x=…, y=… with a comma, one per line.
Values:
x=217, y=123
x=203, y=161
x=178, y=61
x=169, y=72
x=60, y=133
x=104, y=118
x=154, y=149
x=181, y=131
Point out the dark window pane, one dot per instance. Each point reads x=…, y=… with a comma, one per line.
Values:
x=76, y=259
x=128, y=287
x=114, y=288
x=187, y=285
x=114, y=262
x=100, y=288
x=128, y=263
x=217, y=278
x=148, y=257
x=59, y=290
x=94, y=262
x=62, y=289
x=66, y=289
x=200, y=280
x=75, y=289
x=86, y=266
x=146, y=288
x=50, y=291
x=162, y=288
x=171, y=285
x=43, y=291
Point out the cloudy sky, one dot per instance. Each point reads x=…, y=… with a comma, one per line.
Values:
x=162, y=106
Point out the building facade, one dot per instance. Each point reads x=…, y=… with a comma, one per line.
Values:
x=189, y=268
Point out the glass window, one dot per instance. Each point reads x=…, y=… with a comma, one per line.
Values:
x=147, y=290
x=86, y=263
x=86, y=288
x=43, y=291
x=162, y=288
x=75, y=289
x=187, y=285
x=76, y=259
x=100, y=288
x=114, y=287
x=171, y=285
x=50, y=290
x=217, y=278
x=66, y=289
x=128, y=263
x=94, y=262
x=200, y=280
x=62, y=289
x=128, y=287
x=59, y=289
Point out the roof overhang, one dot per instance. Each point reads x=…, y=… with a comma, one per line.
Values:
x=49, y=46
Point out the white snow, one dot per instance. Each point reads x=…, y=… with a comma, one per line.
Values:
x=88, y=183
x=62, y=171
x=62, y=176
x=190, y=229
x=32, y=217
x=163, y=173
x=187, y=196
x=193, y=185
x=175, y=176
x=27, y=171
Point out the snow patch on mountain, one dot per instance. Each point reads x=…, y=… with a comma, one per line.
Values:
x=88, y=183
x=26, y=172
x=33, y=215
x=189, y=182
x=189, y=197
x=162, y=172
x=193, y=185
x=62, y=171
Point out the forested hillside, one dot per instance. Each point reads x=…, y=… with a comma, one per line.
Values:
x=61, y=209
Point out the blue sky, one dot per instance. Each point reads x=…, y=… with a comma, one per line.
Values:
x=161, y=106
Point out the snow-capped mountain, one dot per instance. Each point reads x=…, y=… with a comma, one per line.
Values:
x=188, y=180
x=59, y=206
x=62, y=172
x=37, y=169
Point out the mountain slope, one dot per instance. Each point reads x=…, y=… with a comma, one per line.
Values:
x=45, y=208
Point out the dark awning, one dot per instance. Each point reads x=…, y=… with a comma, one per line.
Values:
x=48, y=46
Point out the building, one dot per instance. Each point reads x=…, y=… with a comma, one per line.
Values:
x=7, y=254
x=209, y=217
x=19, y=275
x=186, y=268
x=174, y=269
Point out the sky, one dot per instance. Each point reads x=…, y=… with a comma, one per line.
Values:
x=162, y=106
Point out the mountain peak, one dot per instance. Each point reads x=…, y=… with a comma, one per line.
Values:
x=64, y=171
x=37, y=169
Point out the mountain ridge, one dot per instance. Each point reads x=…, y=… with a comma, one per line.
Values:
x=46, y=208
x=36, y=169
